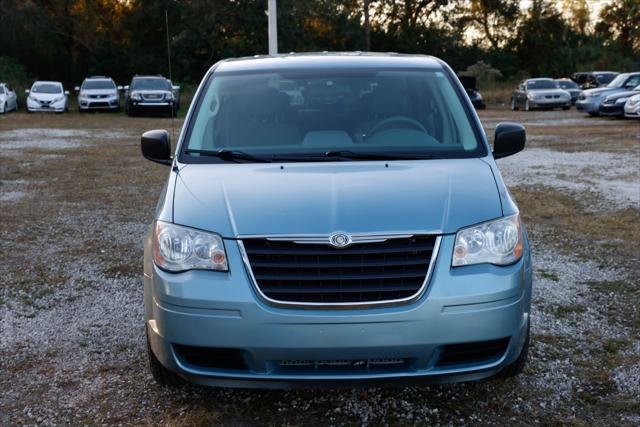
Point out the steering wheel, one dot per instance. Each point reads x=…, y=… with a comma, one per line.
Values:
x=401, y=120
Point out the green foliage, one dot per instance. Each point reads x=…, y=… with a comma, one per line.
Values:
x=13, y=72
x=69, y=39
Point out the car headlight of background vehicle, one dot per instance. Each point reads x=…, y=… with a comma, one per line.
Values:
x=622, y=100
x=498, y=242
x=136, y=96
x=57, y=100
x=177, y=248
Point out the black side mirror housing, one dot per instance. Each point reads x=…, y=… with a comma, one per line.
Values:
x=508, y=139
x=156, y=146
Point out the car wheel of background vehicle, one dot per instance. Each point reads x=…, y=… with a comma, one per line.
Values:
x=514, y=107
x=517, y=366
x=594, y=114
x=2, y=108
x=160, y=374
x=527, y=107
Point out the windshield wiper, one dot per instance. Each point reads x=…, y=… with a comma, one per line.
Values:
x=348, y=154
x=229, y=155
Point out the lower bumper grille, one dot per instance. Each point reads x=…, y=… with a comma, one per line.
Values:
x=472, y=353
x=212, y=358
x=387, y=271
x=369, y=365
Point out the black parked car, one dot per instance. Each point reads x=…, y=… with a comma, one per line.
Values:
x=470, y=85
x=613, y=105
x=571, y=87
x=151, y=94
x=591, y=79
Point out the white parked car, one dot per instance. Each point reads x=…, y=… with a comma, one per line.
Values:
x=8, y=99
x=47, y=96
x=98, y=93
x=632, y=107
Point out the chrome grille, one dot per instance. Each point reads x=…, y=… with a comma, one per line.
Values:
x=379, y=272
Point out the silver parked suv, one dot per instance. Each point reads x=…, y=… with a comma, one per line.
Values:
x=98, y=93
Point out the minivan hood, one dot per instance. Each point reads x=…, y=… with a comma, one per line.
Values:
x=321, y=198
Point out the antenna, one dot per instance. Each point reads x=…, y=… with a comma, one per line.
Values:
x=173, y=106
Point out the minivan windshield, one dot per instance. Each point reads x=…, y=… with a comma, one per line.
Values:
x=46, y=88
x=98, y=84
x=310, y=115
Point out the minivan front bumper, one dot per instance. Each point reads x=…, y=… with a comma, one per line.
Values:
x=287, y=347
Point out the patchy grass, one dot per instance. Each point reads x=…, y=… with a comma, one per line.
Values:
x=72, y=337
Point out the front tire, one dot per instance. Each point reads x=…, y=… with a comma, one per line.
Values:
x=527, y=107
x=514, y=107
x=160, y=374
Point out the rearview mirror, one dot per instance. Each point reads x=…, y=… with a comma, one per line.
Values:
x=508, y=139
x=156, y=147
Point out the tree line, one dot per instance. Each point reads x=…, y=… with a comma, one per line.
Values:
x=69, y=39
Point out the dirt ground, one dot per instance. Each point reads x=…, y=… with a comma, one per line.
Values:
x=75, y=200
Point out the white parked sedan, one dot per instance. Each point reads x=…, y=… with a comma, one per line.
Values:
x=47, y=96
x=632, y=107
x=8, y=99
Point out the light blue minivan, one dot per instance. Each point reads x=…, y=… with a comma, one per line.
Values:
x=335, y=220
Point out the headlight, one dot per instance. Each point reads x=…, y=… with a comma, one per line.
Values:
x=634, y=101
x=58, y=100
x=591, y=95
x=169, y=97
x=178, y=248
x=531, y=96
x=136, y=96
x=622, y=100
x=82, y=94
x=497, y=242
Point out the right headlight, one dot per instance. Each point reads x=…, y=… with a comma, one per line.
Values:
x=177, y=248
x=498, y=242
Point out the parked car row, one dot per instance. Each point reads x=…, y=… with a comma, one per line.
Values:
x=611, y=100
x=145, y=94
x=617, y=98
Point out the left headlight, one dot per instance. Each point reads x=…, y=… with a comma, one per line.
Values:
x=177, y=248
x=498, y=242
x=622, y=100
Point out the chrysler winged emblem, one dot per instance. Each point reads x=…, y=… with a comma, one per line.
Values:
x=339, y=240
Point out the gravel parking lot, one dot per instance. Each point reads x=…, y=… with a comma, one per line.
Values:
x=75, y=201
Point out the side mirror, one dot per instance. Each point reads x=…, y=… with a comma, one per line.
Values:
x=27, y=91
x=77, y=88
x=156, y=147
x=66, y=92
x=119, y=87
x=508, y=139
x=126, y=87
x=175, y=87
